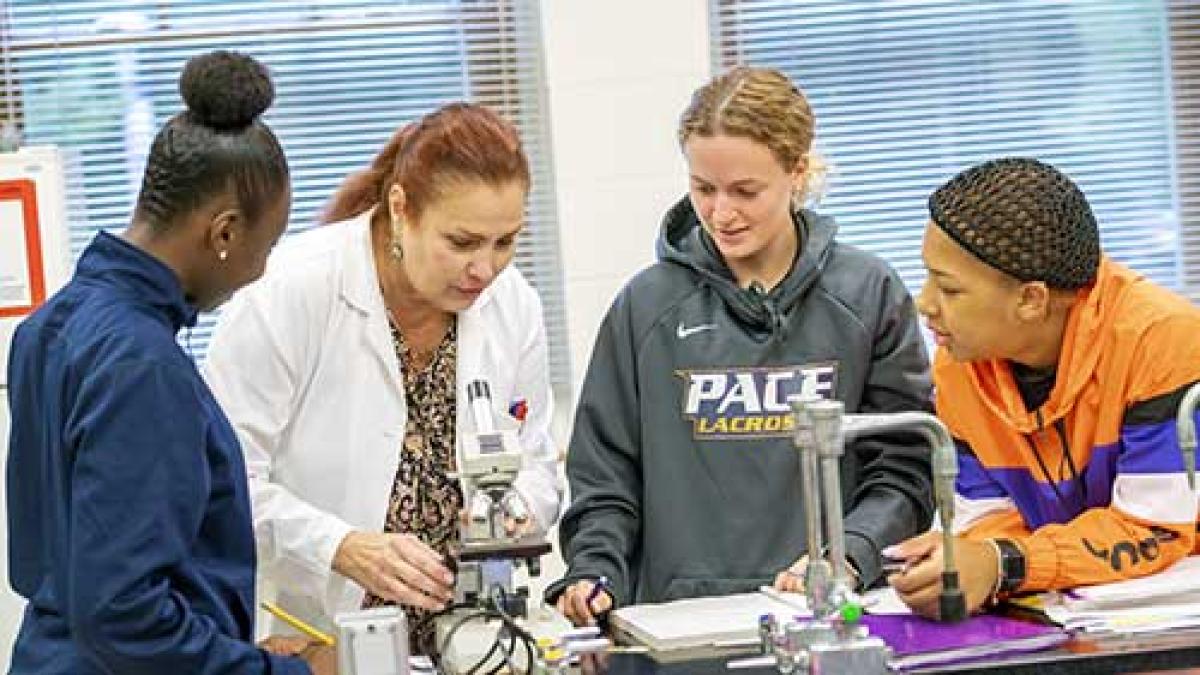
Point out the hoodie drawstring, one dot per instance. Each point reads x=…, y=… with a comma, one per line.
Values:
x=768, y=306
x=1060, y=429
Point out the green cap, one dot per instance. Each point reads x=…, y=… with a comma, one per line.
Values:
x=851, y=612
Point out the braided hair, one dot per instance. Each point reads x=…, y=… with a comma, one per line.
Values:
x=1024, y=218
x=216, y=145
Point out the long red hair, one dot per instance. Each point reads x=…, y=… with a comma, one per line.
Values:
x=457, y=142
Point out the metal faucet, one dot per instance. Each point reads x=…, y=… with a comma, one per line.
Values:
x=1185, y=426
x=832, y=642
x=952, y=604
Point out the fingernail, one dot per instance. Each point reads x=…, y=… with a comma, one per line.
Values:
x=892, y=550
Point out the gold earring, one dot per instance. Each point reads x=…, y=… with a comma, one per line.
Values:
x=223, y=255
x=397, y=249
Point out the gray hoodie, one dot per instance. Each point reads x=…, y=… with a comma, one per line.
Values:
x=681, y=465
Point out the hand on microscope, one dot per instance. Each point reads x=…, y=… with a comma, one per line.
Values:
x=584, y=601
x=791, y=580
x=321, y=658
x=919, y=582
x=396, y=567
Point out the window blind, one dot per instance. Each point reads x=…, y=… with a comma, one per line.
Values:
x=1184, y=21
x=99, y=77
x=909, y=92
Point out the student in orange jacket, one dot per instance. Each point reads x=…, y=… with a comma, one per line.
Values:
x=1058, y=373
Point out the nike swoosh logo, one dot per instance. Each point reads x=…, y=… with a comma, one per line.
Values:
x=683, y=332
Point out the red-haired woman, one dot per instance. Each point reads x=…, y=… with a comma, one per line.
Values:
x=344, y=370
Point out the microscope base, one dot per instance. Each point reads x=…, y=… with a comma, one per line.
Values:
x=474, y=638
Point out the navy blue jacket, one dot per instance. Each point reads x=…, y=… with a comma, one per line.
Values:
x=128, y=511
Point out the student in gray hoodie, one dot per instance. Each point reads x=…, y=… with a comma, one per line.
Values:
x=681, y=465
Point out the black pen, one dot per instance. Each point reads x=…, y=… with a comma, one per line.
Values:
x=900, y=566
x=600, y=585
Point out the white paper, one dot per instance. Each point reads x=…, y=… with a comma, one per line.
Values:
x=1179, y=583
x=15, y=289
x=704, y=622
x=884, y=601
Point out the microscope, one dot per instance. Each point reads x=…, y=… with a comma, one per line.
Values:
x=833, y=642
x=1185, y=428
x=487, y=558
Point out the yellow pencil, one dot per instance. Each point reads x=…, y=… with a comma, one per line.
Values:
x=319, y=636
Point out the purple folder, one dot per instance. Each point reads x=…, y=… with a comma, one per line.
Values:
x=920, y=642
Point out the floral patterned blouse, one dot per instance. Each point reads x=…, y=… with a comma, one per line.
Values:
x=426, y=500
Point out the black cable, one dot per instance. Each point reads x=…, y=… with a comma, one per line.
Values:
x=509, y=620
x=484, y=614
x=432, y=616
x=435, y=655
x=508, y=652
x=509, y=629
x=502, y=664
x=497, y=599
x=486, y=657
x=530, y=655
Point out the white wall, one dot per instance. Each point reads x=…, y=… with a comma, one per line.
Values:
x=618, y=74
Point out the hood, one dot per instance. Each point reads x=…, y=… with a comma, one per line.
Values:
x=682, y=241
x=1088, y=323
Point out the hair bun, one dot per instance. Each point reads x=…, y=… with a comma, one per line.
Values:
x=226, y=90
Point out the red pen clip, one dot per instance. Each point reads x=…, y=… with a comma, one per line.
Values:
x=518, y=409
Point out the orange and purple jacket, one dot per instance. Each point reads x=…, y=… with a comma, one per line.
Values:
x=1130, y=351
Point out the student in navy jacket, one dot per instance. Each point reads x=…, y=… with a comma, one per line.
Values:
x=127, y=501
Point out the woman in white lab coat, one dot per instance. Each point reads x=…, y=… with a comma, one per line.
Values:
x=344, y=370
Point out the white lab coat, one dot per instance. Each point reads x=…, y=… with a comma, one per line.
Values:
x=303, y=364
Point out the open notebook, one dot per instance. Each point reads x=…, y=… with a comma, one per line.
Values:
x=703, y=623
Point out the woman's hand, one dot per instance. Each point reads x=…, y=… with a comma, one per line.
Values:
x=396, y=567
x=574, y=602
x=920, y=583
